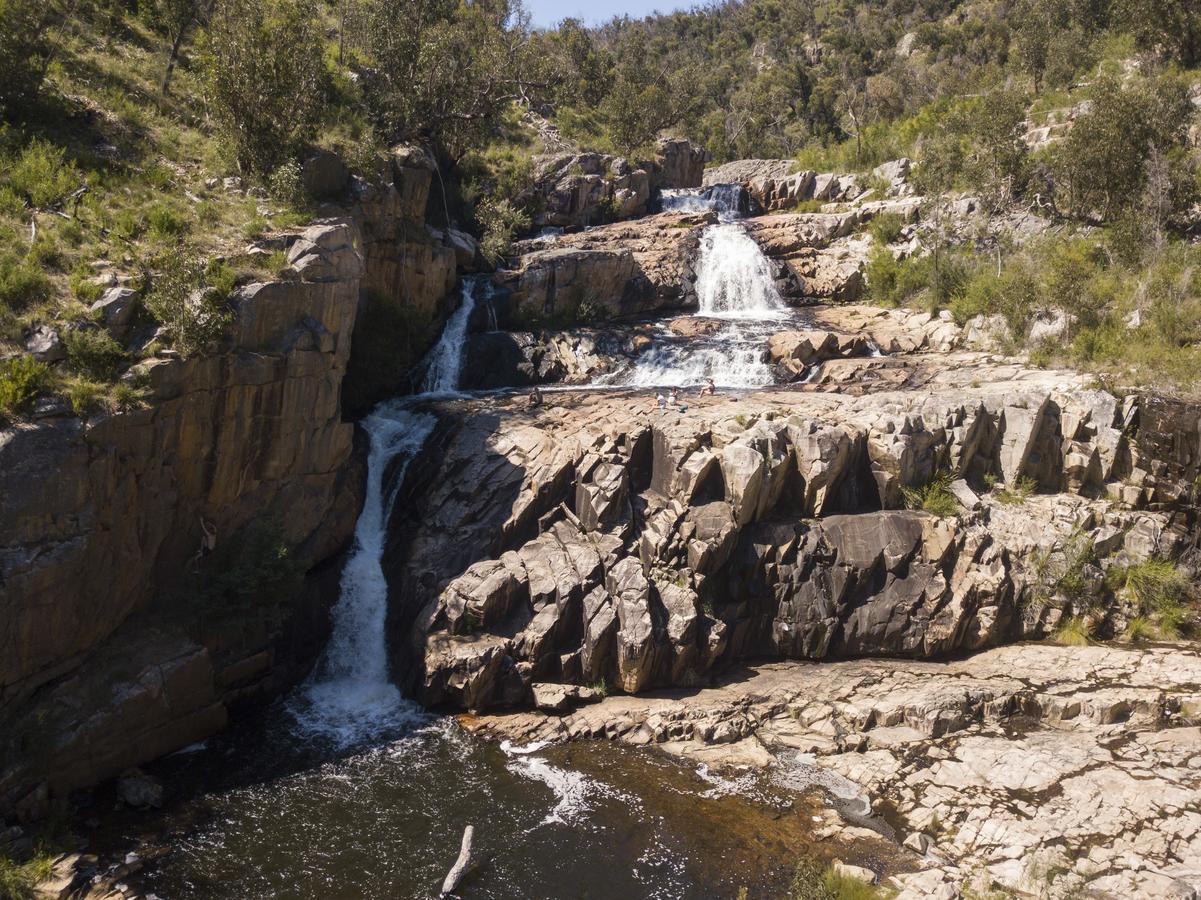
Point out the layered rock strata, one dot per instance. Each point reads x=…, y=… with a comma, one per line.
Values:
x=105, y=658
x=596, y=540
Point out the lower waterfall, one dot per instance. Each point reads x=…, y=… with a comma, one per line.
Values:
x=349, y=695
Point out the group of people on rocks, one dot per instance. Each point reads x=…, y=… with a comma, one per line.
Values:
x=674, y=399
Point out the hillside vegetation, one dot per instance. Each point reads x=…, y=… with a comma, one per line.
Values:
x=147, y=143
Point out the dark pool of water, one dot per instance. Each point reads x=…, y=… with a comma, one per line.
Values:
x=260, y=813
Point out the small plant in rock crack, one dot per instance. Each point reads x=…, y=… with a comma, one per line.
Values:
x=1073, y=631
x=1019, y=492
x=1159, y=590
x=601, y=687
x=934, y=497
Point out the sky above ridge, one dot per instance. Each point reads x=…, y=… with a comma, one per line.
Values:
x=549, y=12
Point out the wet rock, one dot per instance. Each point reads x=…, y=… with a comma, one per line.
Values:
x=137, y=789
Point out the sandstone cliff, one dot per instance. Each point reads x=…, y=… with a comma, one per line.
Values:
x=107, y=657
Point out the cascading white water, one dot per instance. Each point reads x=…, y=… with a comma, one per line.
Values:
x=735, y=283
x=727, y=200
x=349, y=696
x=734, y=280
x=446, y=359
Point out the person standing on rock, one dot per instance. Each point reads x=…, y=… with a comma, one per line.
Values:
x=208, y=543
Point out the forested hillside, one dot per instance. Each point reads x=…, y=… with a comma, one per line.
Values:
x=148, y=141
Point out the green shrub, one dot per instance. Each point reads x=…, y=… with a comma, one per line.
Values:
x=25, y=49
x=84, y=395
x=265, y=77
x=895, y=282
x=285, y=184
x=165, y=223
x=21, y=380
x=500, y=221
x=22, y=284
x=93, y=353
x=42, y=175
x=1159, y=589
x=934, y=497
x=84, y=285
x=1019, y=492
x=251, y=575
x=179, y=298
x=814, y=881
x=1073, y=631
x=886, y=228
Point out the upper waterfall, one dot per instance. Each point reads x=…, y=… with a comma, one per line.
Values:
x=734, y=279
x=446, y=359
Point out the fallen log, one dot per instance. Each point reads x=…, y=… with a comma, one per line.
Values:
x=455, y=875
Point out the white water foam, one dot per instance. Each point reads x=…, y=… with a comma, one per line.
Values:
x=734, y=280
x=446, y=359
x=349, y=697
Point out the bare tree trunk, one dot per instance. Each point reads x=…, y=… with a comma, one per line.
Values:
x=455, y=875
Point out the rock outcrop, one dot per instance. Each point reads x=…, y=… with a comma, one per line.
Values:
x=586, y=541
x=108, y=655
x=1045, y=770
x=624, y=269
x=821, y=256
x=579, y=189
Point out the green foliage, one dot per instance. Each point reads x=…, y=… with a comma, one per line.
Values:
x=265, y=78
x=285, y=184
x=22, y=283
x=42, y=176
x=895, y=282
x=500, y=222
x=1073, y=631
x=601, y=687
x=1159, y=590
x=886, y=228
x=18, y=881
x=25, y=51
x=934, y=497
x=21, y=380
x=814, y=881
x=1021, y=491
x=84, y=285
x=180, y=297
x=251, y=575
x=448, y=74
x=1102, y=163
x=93, y=353
x=165, y=224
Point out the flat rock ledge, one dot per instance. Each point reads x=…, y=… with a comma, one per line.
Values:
x=1051, y=771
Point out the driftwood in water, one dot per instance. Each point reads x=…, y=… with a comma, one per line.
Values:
x=455, y=875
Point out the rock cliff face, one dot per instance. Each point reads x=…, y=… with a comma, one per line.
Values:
x=105, y=660
x=593, y=541
x=579, y=189
x=625, y=269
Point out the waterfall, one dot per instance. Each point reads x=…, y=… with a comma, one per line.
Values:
x=349, y=696
x=729, y=201
x=446, y=359
x=734, y=280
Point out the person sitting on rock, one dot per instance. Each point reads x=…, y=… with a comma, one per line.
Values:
x=709, y=389
x=208, y=542
x=661, y=401
x=535, y=397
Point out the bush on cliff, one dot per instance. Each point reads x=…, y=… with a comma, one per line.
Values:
x=21, y=380
x=93, y=353
x=180, y=297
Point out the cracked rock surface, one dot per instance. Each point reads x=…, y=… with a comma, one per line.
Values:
x=1035, y=768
